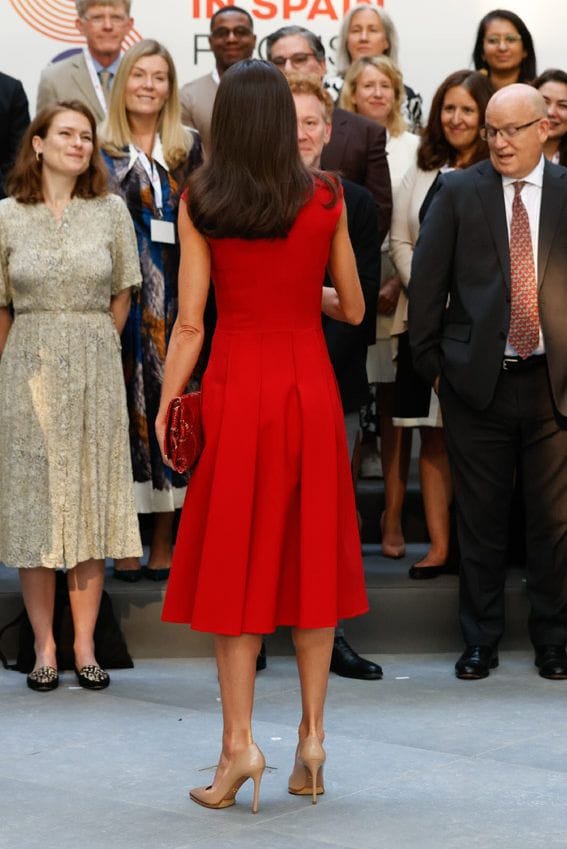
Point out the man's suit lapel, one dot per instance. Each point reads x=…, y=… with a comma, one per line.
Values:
x=489, y=185
x=82, y=81
x=553, y=197
x=339, y=136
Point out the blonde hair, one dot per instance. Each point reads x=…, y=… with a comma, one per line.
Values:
x=115, y=132
x=311, y=84
x=343, y=57
x=395, y=122
x=83, y=6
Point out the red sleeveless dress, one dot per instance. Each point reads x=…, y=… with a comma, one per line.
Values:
x=268, y=534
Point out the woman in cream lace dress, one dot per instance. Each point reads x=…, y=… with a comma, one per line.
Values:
x=68, y=261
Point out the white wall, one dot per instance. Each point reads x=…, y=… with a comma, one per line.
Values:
x=436, y=36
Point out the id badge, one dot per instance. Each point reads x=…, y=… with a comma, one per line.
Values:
x=162, y=231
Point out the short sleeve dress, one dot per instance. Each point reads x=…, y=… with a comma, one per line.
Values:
x=268, y=534
x=66, y=492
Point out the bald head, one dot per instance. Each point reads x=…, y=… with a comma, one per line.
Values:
x=518, y=96
x=518, y=115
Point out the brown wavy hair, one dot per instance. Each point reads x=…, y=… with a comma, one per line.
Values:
x=434, y=150
x=254, y=183
x=555, y=75
x=24, y=181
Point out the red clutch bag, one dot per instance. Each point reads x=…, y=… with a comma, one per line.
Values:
x=184, y=432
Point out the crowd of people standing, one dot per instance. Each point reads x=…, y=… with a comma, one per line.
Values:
x=434, y=251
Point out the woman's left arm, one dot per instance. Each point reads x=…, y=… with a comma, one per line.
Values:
x=120, y=307
x=5, y=325
x=188, y=331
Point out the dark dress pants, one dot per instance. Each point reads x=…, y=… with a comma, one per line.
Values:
x=520, y=428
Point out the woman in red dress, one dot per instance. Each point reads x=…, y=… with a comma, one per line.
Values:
x=268, y=534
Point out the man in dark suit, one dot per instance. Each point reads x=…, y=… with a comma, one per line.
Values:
x=347, y=344
x=357, y=146
x=488, y=328
x=14, y=119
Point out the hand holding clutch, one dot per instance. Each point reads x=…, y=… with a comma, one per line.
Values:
x=183, y=440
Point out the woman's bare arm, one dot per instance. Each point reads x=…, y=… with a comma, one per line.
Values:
x=120, y=307
x=5, y=325
x=188, y=331
x=345, y=301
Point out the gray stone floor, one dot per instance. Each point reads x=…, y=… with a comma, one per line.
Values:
x=416, y=761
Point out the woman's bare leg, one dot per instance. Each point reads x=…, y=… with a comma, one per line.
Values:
x=38, y=590
x=437, y=491
x=236, y=663
x=85, y=582
x=127, y=564
x=313, y=649
x=161, y=548
x=396, y=450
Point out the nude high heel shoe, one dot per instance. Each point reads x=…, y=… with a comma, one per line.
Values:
x=307, y=776
x=249, y=763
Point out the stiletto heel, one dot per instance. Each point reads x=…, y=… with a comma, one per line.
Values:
x=249, y=763
x=256, y=778
x=307, y=776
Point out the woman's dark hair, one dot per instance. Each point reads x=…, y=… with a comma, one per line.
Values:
x=554, y=75
x=254, y=183
x=24, y=181
x=528, y=66
x=434, y=150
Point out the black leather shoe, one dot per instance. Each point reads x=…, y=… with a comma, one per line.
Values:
x=551, y=662
x=129, y=576
x=476, y=662
x=261, y=660
x=154, y=574
x=424, y=573
x=348, y=664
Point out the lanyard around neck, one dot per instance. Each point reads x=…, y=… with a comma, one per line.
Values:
x=153, y=174
x=95, y=80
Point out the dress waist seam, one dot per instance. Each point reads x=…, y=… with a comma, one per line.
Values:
x=258, y=332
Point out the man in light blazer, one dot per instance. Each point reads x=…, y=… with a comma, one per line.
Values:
x=87, y=76
x=357, y=147
x=232, y=39
x=488, y=329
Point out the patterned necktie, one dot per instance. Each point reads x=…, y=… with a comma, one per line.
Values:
x=524, y=320
x=105, y=77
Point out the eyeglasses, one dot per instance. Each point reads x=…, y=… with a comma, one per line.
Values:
x=298, y=60
x=488, y=133
x=496, y=40
x=103, y=20
x=223, y=33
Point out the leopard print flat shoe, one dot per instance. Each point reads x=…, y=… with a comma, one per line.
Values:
x=92, y=677
x=43, y=679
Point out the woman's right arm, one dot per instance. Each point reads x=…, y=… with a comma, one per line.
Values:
x=344, y=300
x=188, y=331
x=5, y=324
